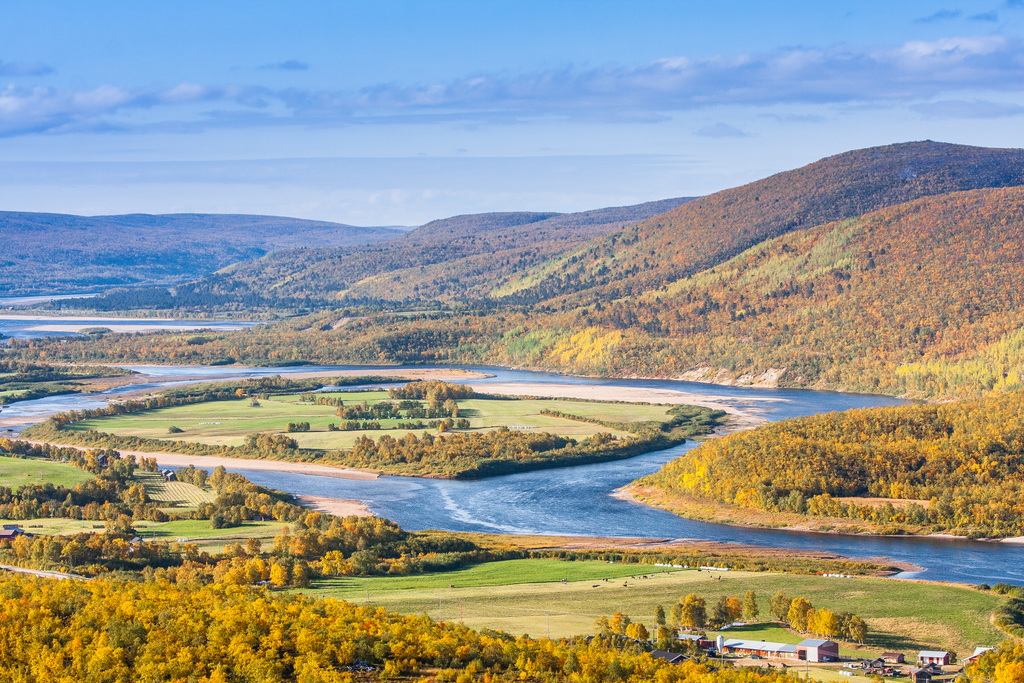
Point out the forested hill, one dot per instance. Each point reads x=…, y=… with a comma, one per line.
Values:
x=705, y=232
x=459, y=257
x=925, y=297
x=49, y=253
x=925, y=468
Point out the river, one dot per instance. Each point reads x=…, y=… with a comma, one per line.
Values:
x=577, y=502
x=28, y=326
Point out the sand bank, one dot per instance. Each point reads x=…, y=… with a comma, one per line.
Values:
x=339, y=507
x=739, y=418
x=212, y=461
x=444, y=374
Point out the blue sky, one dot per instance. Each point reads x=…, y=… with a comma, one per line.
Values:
x=398, y=112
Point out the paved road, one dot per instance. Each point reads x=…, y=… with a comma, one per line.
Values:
x=43, y=574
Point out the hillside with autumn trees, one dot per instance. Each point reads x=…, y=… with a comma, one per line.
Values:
x=155, y=631
x=448, y=259
x=893, y=270
x=952, y=468
x=924, y=299
x=711, y=229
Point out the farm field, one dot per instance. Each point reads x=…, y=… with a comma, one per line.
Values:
x=174, y=494
x=177, y=495
x=527, y=596
x=229, y=422
x=60, y=525
x=15, y=472
x=197, y=531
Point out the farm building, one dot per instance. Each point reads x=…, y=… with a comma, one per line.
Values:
x=11, y=531
x=920, y=675
x=978, y=652
x=933, y=657
x=893, y=657
x=702, y=641
x=762, y=649
x=670, y=657
x=814, y=650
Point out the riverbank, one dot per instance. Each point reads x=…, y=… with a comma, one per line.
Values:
x=339, y=507
x=885, y=566
x=739, y=419
x=103, y=388
x=213, y=461
x=704, y=510
x=399, y=374
x=74, y=324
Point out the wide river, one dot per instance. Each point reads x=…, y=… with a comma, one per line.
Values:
x=17, y=323
x=576, y=501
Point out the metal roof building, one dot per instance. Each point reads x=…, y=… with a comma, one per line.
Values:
x=762, y=648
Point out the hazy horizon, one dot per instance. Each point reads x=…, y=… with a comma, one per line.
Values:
x=395, y=113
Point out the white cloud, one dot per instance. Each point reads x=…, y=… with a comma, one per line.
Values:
x=912, y=73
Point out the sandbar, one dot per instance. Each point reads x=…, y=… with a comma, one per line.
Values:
x=739, y=419
x=339, y=507
x=212, y=461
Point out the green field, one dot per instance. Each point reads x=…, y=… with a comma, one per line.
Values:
x=176, y=495
x=229, y=422
x=197, y=531
x=61, y=525
x=15, y=472
x=527, y=596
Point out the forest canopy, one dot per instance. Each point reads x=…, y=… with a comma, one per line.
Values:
x=953, y=467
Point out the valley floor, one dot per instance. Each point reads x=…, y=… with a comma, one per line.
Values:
x=530, y=596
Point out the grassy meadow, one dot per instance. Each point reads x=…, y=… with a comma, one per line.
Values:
x=174, y=496
x=15, y=472
x=205, y=537
x=227, y=423
x=527, y=596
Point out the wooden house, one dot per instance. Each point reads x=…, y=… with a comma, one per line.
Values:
x=939, y=657
x=978, y=652
x=919, y=675
x=670, y=657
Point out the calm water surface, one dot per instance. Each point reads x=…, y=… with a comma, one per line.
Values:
x=576, y=501
x=26, y=325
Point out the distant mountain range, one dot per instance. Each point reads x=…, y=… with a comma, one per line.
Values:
x=47, y=253
x=602, y=255
x=706, y=232
x=454, y=258
x=896, y=269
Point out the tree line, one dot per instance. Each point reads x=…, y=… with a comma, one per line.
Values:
x=952, y=467
x=68, y=631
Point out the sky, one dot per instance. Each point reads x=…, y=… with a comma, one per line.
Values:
x=397, y=112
